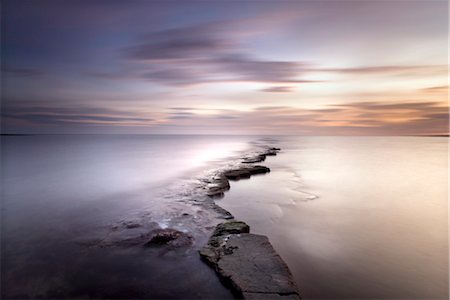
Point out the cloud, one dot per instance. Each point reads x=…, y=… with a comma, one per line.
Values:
x=245, y=68
x=205, y=53
x=210, y=52
x=357, y=118
x=443, y=89
x=176, y=76
x=181, y=115
x=400, y=70
x=278, y=89
x=22, y=72
x=80, y=116
x=179, y=43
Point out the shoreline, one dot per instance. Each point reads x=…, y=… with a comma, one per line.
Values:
x=245, y=262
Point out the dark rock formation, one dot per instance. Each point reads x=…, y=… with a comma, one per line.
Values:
x=248, y=263
x=170, y=237
x=237, y=174
x=245, y=172
x=258, y=170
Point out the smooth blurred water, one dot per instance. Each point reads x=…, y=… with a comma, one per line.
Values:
x=63, y=196
x=355, y=217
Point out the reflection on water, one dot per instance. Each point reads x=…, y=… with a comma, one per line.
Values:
x=355, y=217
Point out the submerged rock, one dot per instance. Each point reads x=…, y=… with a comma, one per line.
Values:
x=132, y=225
x=225, y=214
x=170, y=237
x=248, y=263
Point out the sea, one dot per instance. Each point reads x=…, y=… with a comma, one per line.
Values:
x=353, y=217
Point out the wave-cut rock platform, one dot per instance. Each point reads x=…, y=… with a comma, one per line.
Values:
x=246, y=262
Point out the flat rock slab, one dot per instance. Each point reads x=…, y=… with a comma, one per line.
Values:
x=253, y=265
x=248, y=263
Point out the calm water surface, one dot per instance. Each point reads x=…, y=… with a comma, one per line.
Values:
x=355, y=217
x=69, y=201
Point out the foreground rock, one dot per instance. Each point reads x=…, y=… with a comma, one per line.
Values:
x=248, y=263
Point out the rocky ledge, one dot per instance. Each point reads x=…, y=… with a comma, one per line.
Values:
x=244, y=261
x=248, y=263
x=220, y=183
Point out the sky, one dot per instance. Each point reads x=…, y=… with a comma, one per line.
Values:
x=225, y=67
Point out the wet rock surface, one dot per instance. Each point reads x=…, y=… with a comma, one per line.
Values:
x=248, y=263
x=170, y=237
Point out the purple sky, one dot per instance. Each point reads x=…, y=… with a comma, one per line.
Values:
x=225, y=67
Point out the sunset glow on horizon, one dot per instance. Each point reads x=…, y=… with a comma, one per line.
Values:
x=225, y=67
